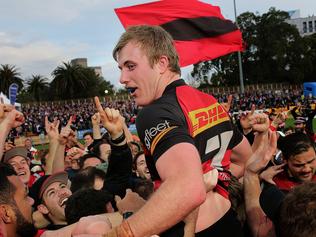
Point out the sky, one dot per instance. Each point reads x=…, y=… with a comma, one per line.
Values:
x=38, y=35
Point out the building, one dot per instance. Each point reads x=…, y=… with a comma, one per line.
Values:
x=305, y=25
x=97, y=70
x=83, y=62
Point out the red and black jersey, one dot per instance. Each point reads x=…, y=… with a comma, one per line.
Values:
x=184, y=114
x=285, y=182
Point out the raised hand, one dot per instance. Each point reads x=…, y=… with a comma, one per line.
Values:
x=10, y=117
x=264, y=147
x=227, y=104
x=279, y=119
x=66, y=132
x=95, y=119
x=246, y=121
x=271, y=172
x=110, y=118
x=52, y=128
x=260, y=123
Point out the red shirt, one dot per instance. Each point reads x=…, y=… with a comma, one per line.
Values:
x=286, y=183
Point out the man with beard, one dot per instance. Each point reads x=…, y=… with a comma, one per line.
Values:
x=15, y=205
x=50, y=194
x=300, y=157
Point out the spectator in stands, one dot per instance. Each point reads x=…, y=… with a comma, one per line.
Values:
x=29, y=146
x=135, y=147
x=19, y=159
x=50, y=194
x=88, y=140
x=89, y=160
x=15, y=205
x=140, y=166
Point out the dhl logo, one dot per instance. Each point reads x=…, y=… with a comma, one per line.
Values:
x=207, y=117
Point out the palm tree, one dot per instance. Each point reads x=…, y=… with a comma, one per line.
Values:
x=9, y=74
x=37, y=85
x=69, y=81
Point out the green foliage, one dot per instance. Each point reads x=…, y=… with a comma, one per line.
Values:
x=9, y=74
x=274, y=52
x=37, y=88
x=74, y=81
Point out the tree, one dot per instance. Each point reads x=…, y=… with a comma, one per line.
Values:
x=9, y=74
x=105, y=85
x=37, y=87
x=74, y=81
x=274, y=52
x=69, y=81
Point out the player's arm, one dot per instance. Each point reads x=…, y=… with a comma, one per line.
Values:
x=181, y=192
x=240, y=154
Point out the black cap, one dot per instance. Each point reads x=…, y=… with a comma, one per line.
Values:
x=38, y=188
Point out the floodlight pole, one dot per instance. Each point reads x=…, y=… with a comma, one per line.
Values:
x=241, y=80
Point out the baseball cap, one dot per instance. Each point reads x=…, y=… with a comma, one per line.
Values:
x=16, y=151
x=300, y=120
x=39, y=187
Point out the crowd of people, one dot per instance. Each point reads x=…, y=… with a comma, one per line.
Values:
x=194, y=168
x=82, y=111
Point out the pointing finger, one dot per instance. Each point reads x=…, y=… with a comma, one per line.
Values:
x=98, y=105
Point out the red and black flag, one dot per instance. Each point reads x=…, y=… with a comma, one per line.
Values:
x=199, y=30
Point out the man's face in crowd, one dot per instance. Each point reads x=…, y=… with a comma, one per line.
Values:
x=303, y=166
x=87, y=140
x=54, y=202
x=21, y=167
x=22, y=209
x=137, y=74
x=141, y=167
x=28, y=144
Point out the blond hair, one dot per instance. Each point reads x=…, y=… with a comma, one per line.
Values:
x=154, y=41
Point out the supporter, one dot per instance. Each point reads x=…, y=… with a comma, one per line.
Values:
x=140, y=166
x=91, y=177
x=15, y=205
x=300, y=159
x=88, y=140
x=88, y=202
x=300, y=124
x=298, y=211
x=29, y=146
x=50, y=194
x=20, y=161
x=89, y=160
x=135, y=148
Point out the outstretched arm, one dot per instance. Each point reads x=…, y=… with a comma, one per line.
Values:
x=265, y=145
x=9, y=118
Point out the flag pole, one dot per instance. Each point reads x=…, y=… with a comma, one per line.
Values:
x=241, y=80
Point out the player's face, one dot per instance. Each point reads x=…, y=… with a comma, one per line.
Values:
x=137, y=75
